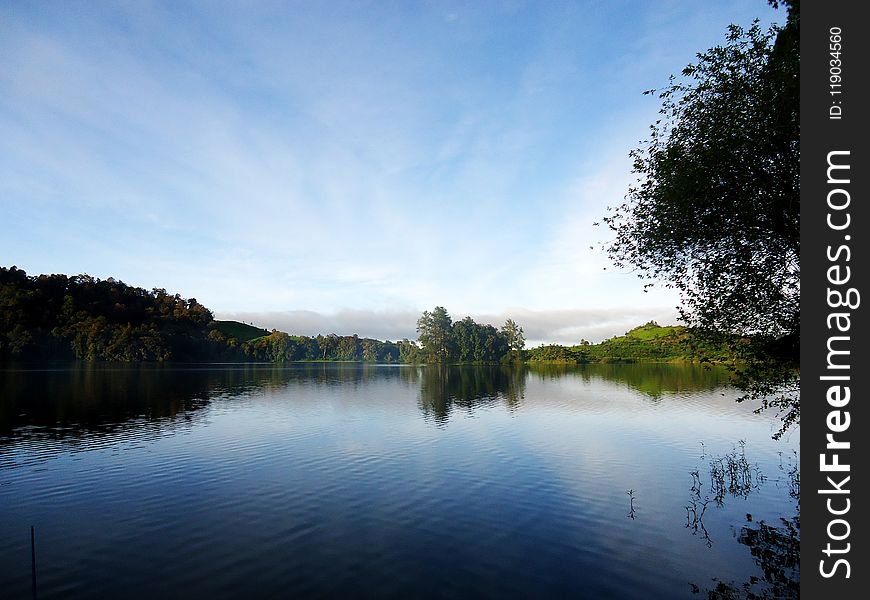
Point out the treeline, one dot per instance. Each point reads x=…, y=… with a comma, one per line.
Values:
x=649, y=342
x=465, y=341
x=60, y=317
x=441, y=341
x=282, y=347
x=81, y=317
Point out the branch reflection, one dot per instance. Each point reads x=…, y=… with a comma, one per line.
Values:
x=775, y=548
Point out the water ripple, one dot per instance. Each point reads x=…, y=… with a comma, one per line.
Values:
x=325, y=483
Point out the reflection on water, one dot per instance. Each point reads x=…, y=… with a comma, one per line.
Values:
x=392, y=481
x=445, y=389
x=650, y=379
x=775, y=548
x=101, y=397
x=93, y=398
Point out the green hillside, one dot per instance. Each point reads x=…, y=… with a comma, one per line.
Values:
x=241, y=331
x=649, y=342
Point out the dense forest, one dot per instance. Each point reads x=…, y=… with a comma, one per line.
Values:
x=80, y=317
x=60, y=317
x=445, y=341
x=282, y=347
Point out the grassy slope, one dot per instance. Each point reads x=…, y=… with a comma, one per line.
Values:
x=647, y=342
x=240, y=331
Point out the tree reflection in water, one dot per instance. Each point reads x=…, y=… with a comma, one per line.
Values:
x=653, y=380
x=775, y=548
x=91, y=407
x=444, y=389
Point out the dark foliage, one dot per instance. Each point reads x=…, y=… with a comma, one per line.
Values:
x=281, y=347
x=715, y=212
x=466, y=341
x=81, y=317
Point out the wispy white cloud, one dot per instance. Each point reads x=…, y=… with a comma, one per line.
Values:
x=332, y=156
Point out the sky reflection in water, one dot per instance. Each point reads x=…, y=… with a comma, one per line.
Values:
x=367, y=480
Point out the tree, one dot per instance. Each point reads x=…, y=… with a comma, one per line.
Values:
x=409, y=352
x=513, y=335
x=490, y=345
x=369, y=350
x=465, y=339
x=348, y=347
x=715, y=209
x=434, y=333
x=328, y=345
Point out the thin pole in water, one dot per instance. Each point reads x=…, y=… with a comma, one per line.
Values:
x=33, y=558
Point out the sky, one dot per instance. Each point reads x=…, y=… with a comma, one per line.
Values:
x=340, y=167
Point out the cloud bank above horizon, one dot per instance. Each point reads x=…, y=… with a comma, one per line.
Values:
x=540, y=326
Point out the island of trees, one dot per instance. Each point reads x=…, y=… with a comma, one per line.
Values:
x=60, y=317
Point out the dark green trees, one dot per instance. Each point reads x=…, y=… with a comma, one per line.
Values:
x=514, y=338
x=434, y=331
x=478, y=343
x=467, y=341
x=55, y=316
x=280, y=347
x=715, y=211
x=81, y=317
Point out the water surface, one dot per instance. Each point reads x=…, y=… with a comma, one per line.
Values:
x=632, y=481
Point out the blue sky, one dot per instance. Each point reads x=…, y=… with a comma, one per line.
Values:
x=341, y=166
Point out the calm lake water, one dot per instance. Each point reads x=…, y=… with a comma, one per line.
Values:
x=330, y=480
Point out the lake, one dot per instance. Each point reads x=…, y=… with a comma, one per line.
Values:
x=344, y=480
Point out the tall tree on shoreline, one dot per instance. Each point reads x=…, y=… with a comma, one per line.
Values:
x=715, y=209
x=434, y=331
x=513, y=335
